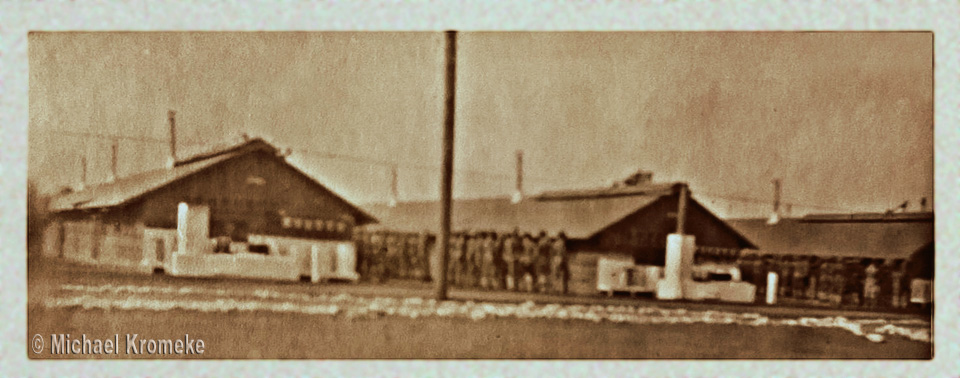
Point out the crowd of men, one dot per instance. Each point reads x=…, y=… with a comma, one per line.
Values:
x=487, y=260
x=870, y=283
x=539, y=263
x=383, y=255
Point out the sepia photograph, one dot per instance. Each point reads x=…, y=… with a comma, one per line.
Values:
x=480, y=195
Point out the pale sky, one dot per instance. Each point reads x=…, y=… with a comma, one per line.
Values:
x=845, y=119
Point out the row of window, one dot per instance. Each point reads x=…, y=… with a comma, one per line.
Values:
x=318, y=225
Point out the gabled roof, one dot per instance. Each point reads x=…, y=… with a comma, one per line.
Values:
x=578, y=219
x=131, y=188
x=580, y=214
x=647, y=189
x=842, y=237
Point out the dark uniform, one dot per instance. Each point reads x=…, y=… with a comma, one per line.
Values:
x=360, y=244
x=422, y=268
x=558, y=264
x=764, y=267
x=543, y=262
x=455, y=266
x=801, y=269
x=378, y=251
x=488, y=267
x=784, y=273
x=512, y=249
x=813, y=280
x=469, y=260
x=526, y=263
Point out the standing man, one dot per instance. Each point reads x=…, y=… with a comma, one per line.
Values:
x=823, y=280
x=455, y=266
x=786, y=274
x=760, y=276
x=488, y=271
x=470, y=257
x=871, y=288
x=361, y=245
x=840, y=278
x=814, y=277
x=424, y=247
x=527, y=258
x=393, y=256
x=544, y=244
x=896, y=285
x=376, y=263
x=801, y=268
x=558, y=264
x=885, y=268
x=412, y=260
x=511, y=252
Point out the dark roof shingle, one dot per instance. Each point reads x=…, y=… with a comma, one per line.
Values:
x=131, y=188
x=578, y=219
x=842, y=237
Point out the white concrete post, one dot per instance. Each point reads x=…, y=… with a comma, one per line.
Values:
x=679, y=261
x=772, y=288
x=315, y=255
x=193, y=228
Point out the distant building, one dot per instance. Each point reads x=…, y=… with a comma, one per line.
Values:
x=892, y=236
x=251, y=190
x=628, y=221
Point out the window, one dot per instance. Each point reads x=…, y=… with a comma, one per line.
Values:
x=287, y=222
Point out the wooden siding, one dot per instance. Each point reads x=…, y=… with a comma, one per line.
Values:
x=252, y=192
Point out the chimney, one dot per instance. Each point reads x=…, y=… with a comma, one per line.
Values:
x=682, y=208
x=114, y=147
x=394, y=192
x=83, y=173
x=775, y=217
x=518, y=194
x=638, y=178
x=172, y=118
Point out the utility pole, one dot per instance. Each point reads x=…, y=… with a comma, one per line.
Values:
x=518, y=194
x=172, y=120
x=114, y=151
x=682, y=208
x=446, y=180
x=394, y=191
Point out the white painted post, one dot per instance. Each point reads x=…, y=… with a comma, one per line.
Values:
x=183, y=224
x=315, y=264
x=771, y=288
x=679, y=261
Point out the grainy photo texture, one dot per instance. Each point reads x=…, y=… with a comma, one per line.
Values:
x=494, y=195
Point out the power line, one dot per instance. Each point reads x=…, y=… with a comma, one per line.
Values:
x=392, y=164
x=102, y=136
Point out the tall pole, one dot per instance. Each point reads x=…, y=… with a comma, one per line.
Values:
x=518, y=195
x=172, y=120
x=114, y=151
x=776, y=196
x=446, y=180
x=394, y=191
x=682, y=208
